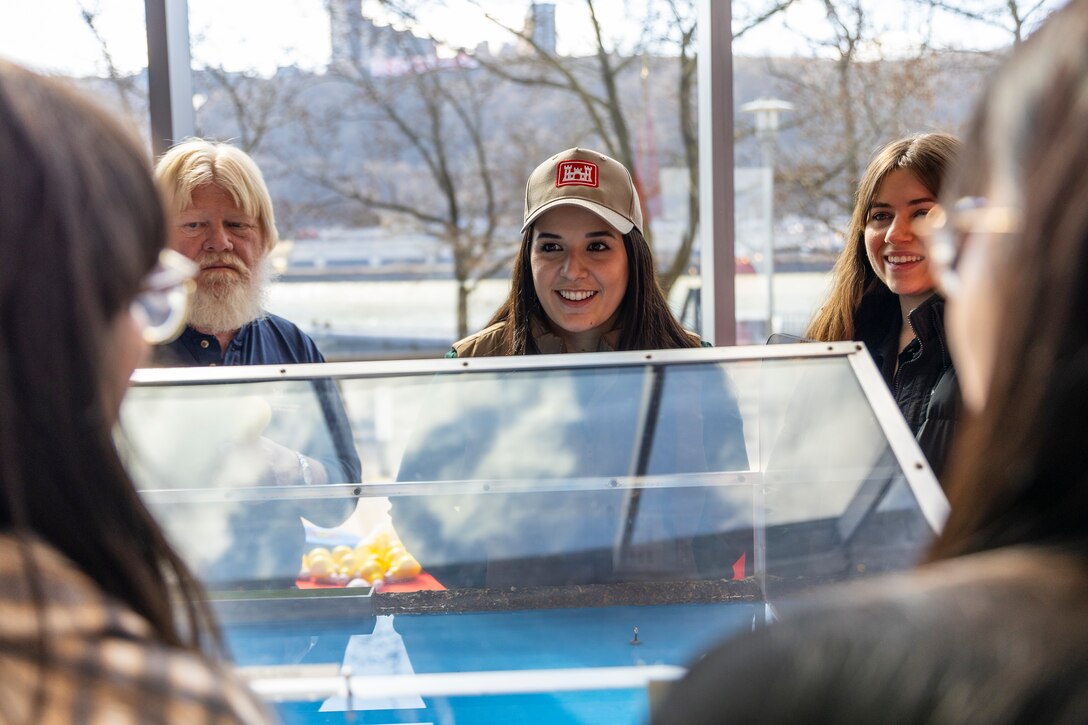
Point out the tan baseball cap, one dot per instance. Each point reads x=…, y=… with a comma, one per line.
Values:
x=585, y=178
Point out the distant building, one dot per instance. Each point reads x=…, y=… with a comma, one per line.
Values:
x=345, y=25
x=540, y=26
x=359, y=45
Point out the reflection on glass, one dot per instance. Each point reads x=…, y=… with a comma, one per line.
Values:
x=229, y=438
x=229, y=435
x=577, y=423
x=579, y=430
x=828, y=466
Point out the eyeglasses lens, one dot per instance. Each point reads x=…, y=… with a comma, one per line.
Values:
x=162, y=307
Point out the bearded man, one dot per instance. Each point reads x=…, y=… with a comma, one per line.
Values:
x=223, y=221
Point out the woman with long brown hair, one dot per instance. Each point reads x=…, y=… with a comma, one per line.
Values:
x=882, y=289
x=583, y=282
x=584, y=278
x=102, y=621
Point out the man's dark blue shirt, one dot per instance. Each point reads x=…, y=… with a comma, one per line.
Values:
x=272, y=340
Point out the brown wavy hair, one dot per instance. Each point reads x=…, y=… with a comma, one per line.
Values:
x=927, y=157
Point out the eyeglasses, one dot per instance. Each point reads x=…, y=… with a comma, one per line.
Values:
x=945, y=234
x=162, y=306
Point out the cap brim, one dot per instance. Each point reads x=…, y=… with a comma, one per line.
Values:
x=621, y=224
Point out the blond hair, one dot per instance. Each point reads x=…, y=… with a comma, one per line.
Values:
x=195, y=162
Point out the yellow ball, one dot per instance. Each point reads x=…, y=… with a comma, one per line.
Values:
x=348, y=562
x=320, y=561
x=405, y=568
x=318, y=551
x=322, y=568
x=370, y=570
x=340, y=552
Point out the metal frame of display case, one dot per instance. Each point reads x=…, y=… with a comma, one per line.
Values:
x=917, y=471
x=319, y=682
x=310, y=683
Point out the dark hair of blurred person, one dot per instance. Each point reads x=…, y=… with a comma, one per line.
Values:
x=101, y=620
x=1021, y=239
x=992, y=629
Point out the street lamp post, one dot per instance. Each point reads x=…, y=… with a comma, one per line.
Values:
x=767, y=111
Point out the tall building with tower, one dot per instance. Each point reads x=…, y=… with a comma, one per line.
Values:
x=345, y=32
x=540, y=26
x=358, y=45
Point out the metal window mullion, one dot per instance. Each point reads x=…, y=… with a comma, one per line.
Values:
x=716, y=233
x=169, y=72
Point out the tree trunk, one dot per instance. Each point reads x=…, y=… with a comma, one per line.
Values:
x=689, y=134
x=463, y=291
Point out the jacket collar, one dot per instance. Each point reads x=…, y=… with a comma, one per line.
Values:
x=927, y=319
x=550, y=344
x=879, y=316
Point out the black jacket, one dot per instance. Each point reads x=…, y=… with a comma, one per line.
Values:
x=924, y=385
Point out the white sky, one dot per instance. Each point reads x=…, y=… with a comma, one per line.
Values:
x=263, y=34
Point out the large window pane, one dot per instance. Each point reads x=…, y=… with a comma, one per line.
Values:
x=100, y=44
x=397, y=138
x=858, y=74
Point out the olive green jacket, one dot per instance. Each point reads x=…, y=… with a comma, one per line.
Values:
x=488, y=341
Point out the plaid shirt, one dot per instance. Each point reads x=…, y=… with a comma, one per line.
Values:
x=105, y=664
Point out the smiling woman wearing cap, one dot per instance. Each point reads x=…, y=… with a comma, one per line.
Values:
x=584, y=276
x=583, y=282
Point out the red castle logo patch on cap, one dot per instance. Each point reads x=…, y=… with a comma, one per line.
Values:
x=576, y=173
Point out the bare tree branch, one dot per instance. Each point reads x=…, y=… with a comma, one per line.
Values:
x=763, y=17
x=126, y=85
x=254, y=102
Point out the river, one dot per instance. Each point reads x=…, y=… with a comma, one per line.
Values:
x=427, y=308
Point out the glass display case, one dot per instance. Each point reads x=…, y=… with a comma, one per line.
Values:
x=529, y=539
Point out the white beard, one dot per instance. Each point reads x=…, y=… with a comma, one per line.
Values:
x=224, y=301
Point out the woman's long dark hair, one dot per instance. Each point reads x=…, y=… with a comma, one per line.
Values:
x=645, y=320
x=81, y=223
x=1020, y=470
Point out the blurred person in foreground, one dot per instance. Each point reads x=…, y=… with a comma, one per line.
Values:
x=102, y=620
x=994, y=628
x=883, y=292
